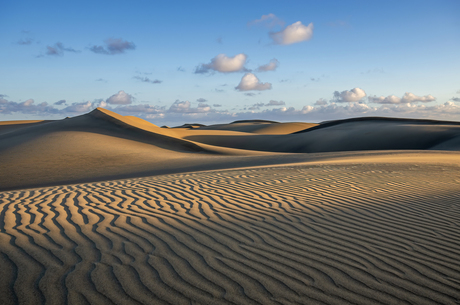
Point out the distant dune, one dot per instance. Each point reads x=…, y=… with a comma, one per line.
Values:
x=104, y=145
x=109, y=209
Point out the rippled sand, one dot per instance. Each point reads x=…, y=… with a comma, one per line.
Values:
x=371, y=233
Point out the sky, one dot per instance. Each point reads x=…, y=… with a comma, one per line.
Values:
x=174, y=62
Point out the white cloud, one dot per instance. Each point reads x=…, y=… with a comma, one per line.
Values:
x=251, y=82
x=294, y=33
x=349, y=96
x=412, y=98
x=269, y=20
x=224, y=64
x=407, y=98
x=391, y=99
x=121, y=98
x=271, y=66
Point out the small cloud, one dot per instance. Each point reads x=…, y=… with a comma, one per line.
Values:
x=101, y=80
x=3, y=96
x=354, y=95
x=250, y=94
x=58, y=50
x=284, y=80
x=201, y=100
x=321, y=102
x=315, y=79
x=407, y=98
x=113, y=46
x=61, y=102
x=121, y=98
x=148, y=80
x=224, y=64
x=251, y=82
x=217, y=105
x=269, y=21
x=294, y=33
x=275, y=103
x=24, y=42
x=219, y=40
x=456, y=99
x=219, y=90
x=180, y=69
x=271, y=66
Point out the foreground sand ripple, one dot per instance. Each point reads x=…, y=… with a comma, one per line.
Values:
x=335, y=234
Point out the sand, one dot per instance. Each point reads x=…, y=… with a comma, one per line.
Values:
x=188, y=222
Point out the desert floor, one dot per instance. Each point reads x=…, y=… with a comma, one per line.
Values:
x=228, y=225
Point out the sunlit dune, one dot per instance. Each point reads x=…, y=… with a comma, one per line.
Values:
x=109, y=209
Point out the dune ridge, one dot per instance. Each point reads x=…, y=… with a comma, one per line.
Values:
x=312, y=234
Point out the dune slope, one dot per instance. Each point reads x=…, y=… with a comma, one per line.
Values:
x=374, y=233
x=349, y=136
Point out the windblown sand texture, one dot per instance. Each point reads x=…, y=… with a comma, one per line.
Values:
x=331, y=234
x=360, y=211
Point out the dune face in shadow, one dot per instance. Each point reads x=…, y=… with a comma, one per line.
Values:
x=323, y=234
x=347, y=136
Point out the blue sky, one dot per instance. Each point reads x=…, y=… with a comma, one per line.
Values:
x=331, y=59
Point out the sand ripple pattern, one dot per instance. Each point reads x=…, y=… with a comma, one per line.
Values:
x=348, y=234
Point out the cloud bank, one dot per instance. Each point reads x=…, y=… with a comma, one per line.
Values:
x=180, y=112
x=407, y=98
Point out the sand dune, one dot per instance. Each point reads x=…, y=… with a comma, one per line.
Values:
x=348, y=136
x=103, y=145
x=360, y=211
x=322, y=234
